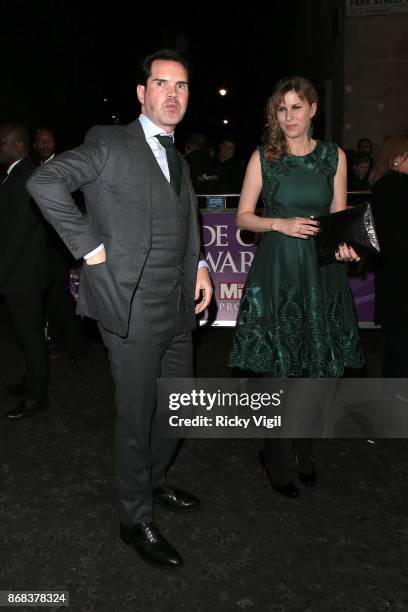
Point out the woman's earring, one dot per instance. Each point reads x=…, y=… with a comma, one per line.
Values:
x=310, y=129
x=395, y=164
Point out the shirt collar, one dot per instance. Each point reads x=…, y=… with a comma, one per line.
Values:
x=150, y=129
x=9, y=169
x=47, y=160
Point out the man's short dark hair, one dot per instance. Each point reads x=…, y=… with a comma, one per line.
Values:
x=364, y=140
x=228, y=138
x=20, y=133
x=45, y=128
x=361, y=158
x=145, y=66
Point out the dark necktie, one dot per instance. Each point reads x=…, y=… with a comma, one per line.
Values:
x=173, y=161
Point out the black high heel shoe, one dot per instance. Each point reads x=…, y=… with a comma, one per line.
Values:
x=306, y=478
x=289, y=490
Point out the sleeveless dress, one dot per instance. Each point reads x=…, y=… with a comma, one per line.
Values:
x=295, y=317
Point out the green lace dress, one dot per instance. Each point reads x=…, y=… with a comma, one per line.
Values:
x=296, y=318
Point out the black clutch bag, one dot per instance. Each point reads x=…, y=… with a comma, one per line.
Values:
x=354, y=226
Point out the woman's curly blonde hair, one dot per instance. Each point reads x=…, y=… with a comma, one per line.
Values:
x=273, y=136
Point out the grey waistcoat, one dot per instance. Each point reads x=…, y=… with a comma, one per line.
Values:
x=170, y=224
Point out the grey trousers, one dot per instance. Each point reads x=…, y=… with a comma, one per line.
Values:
x=159, y=344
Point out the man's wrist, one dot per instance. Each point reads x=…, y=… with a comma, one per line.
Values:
x=94, y=252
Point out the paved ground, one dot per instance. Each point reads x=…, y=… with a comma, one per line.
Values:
x=341, y=547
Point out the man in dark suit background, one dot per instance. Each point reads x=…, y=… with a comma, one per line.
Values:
x=23, y=269
x=44, y=144
x=142, y=274
x=63, y=324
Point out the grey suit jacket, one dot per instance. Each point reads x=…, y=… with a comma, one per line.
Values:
x=117, y=172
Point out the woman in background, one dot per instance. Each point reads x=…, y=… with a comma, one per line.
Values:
x=296, y=319
x=389, y=180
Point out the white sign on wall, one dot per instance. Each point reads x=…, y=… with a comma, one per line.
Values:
x=360, y=8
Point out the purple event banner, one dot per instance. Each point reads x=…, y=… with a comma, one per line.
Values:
x=229, y=253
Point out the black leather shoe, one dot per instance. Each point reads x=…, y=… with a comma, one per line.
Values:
x=150, y=545
x=175, y=499
x=25, y=409
x=288, y=490
x=16, y=389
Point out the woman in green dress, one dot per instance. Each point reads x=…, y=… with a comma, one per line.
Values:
x=296, y=319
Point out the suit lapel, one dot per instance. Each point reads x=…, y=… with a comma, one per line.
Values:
x=14, y=172
x=142, y=157
x=192, y=198
x=145, y=164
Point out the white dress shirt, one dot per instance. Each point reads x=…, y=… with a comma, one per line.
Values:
x=150, y=131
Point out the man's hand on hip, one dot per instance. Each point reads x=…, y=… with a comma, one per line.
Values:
x=204, y=290
x=99, y=257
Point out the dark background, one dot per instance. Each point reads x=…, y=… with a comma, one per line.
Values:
x=62, y=59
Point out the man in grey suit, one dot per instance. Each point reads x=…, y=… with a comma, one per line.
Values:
x=140, y=281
